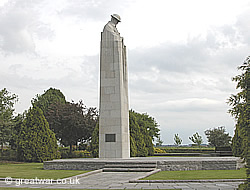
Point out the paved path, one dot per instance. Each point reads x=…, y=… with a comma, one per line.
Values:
x=120, y=180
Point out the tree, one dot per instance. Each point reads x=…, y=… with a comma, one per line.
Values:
x=17, y=125
x=94, y=142
x=240, y=110
x=49, y=97
x=7, y=101
x=196, y=139
x=72, y=122
x=237, y=142
x=36, y=142
x=159, y=142
x=177, y=140
x=218, y=137
x=148, y=122
x=137, y=146
x=148, y=129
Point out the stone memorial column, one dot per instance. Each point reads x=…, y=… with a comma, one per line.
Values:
x=114, y=140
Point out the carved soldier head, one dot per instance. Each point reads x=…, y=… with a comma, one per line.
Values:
x=115, y=18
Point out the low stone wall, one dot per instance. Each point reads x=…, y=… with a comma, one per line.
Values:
x=166, y=164
x=196, y=165
x=219, y=165
x=73, y=165
x=178, y=165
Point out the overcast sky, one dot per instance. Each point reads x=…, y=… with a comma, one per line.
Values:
x=182, y=55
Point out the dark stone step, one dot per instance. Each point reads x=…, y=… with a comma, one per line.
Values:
x=132, y=162
x=130, y=166
x=128, y=169
x=225, y=153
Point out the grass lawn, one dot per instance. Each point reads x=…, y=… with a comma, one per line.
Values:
x=13, y=188
x=33, y=170
x=198, y=174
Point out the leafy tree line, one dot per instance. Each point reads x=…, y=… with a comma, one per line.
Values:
x=35, y=133
x=71, y=122
x=216, y=137
x=50, y=120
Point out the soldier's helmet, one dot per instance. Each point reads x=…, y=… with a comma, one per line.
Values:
x=116, y=16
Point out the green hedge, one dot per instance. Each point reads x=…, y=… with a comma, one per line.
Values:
x=187, y=150
x=8, y=154
x=11, y=155
x=65, y=153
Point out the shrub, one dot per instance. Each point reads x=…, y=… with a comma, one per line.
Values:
x=8, y=154
x=188, y=150
x=158, y=150
x=65, y=153
x=36, y=142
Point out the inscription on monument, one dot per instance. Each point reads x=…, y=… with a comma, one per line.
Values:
x=109, y=137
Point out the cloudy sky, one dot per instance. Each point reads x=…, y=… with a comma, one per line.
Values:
x=182, y=55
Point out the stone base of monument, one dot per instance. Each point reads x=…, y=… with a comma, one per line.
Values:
x=131, y=166
x=146, y=164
